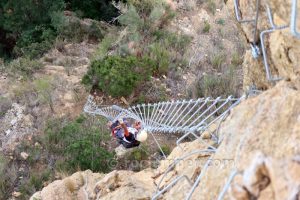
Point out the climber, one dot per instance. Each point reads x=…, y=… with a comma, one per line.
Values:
x=128, y=136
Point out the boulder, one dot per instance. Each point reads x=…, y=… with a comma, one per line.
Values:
x=24, y=155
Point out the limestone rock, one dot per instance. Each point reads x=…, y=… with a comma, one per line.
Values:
x=16, y=194
x=283, y=49
x=283, y=177
x=15, y=125
x=126, y=185
x=268, y=123
x=24, y=155
x=78, y=186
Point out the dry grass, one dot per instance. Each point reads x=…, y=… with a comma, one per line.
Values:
x=70, y=185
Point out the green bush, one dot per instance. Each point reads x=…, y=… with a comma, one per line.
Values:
x=139, y=154
x=77, y=144
x=29, y=28
x=85, y=154
x=166, y=149
x=118, y=76
x=161, y=57
x=104, y=46
x=206, y=27
x=221, y=21
x=66, y=147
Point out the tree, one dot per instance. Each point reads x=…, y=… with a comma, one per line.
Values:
x=95, y=9
x=27, y=22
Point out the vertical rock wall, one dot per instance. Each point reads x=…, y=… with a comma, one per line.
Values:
x=283, y=49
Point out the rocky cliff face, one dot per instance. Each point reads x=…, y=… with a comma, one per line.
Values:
x=283, y=49
x=267, y=124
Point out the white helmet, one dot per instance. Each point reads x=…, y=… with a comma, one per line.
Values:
x=142, y=136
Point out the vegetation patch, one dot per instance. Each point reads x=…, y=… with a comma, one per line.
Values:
x=119, y=76
x=66, y=147
x=215, y=85
x=29, y=28
x=143, y=48
x=23, y=67
x=206, y=27
x=77, y=145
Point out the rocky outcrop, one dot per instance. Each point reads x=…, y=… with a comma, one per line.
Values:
x=14, y=125
x=268, y=178
x=78, y=186
x=267, y=124
x=283, y=48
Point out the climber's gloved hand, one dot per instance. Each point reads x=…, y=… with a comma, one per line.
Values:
x=121, y=121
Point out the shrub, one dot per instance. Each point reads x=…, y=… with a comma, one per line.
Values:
x=211, y=5
x=33, y=50
x=104, y=46
x=132, y=19
x=161, y=57
x=24, y=67
x=206, y=27
x=212, y=85
x=216, y=60
x=236, y=59
x=221, y=22
x=139, y=154
x=118, y=76
x=86, y=154
x=5, y=105
x=77, y=144
x=71, y=29
x=34, y=183
x=166, y=149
